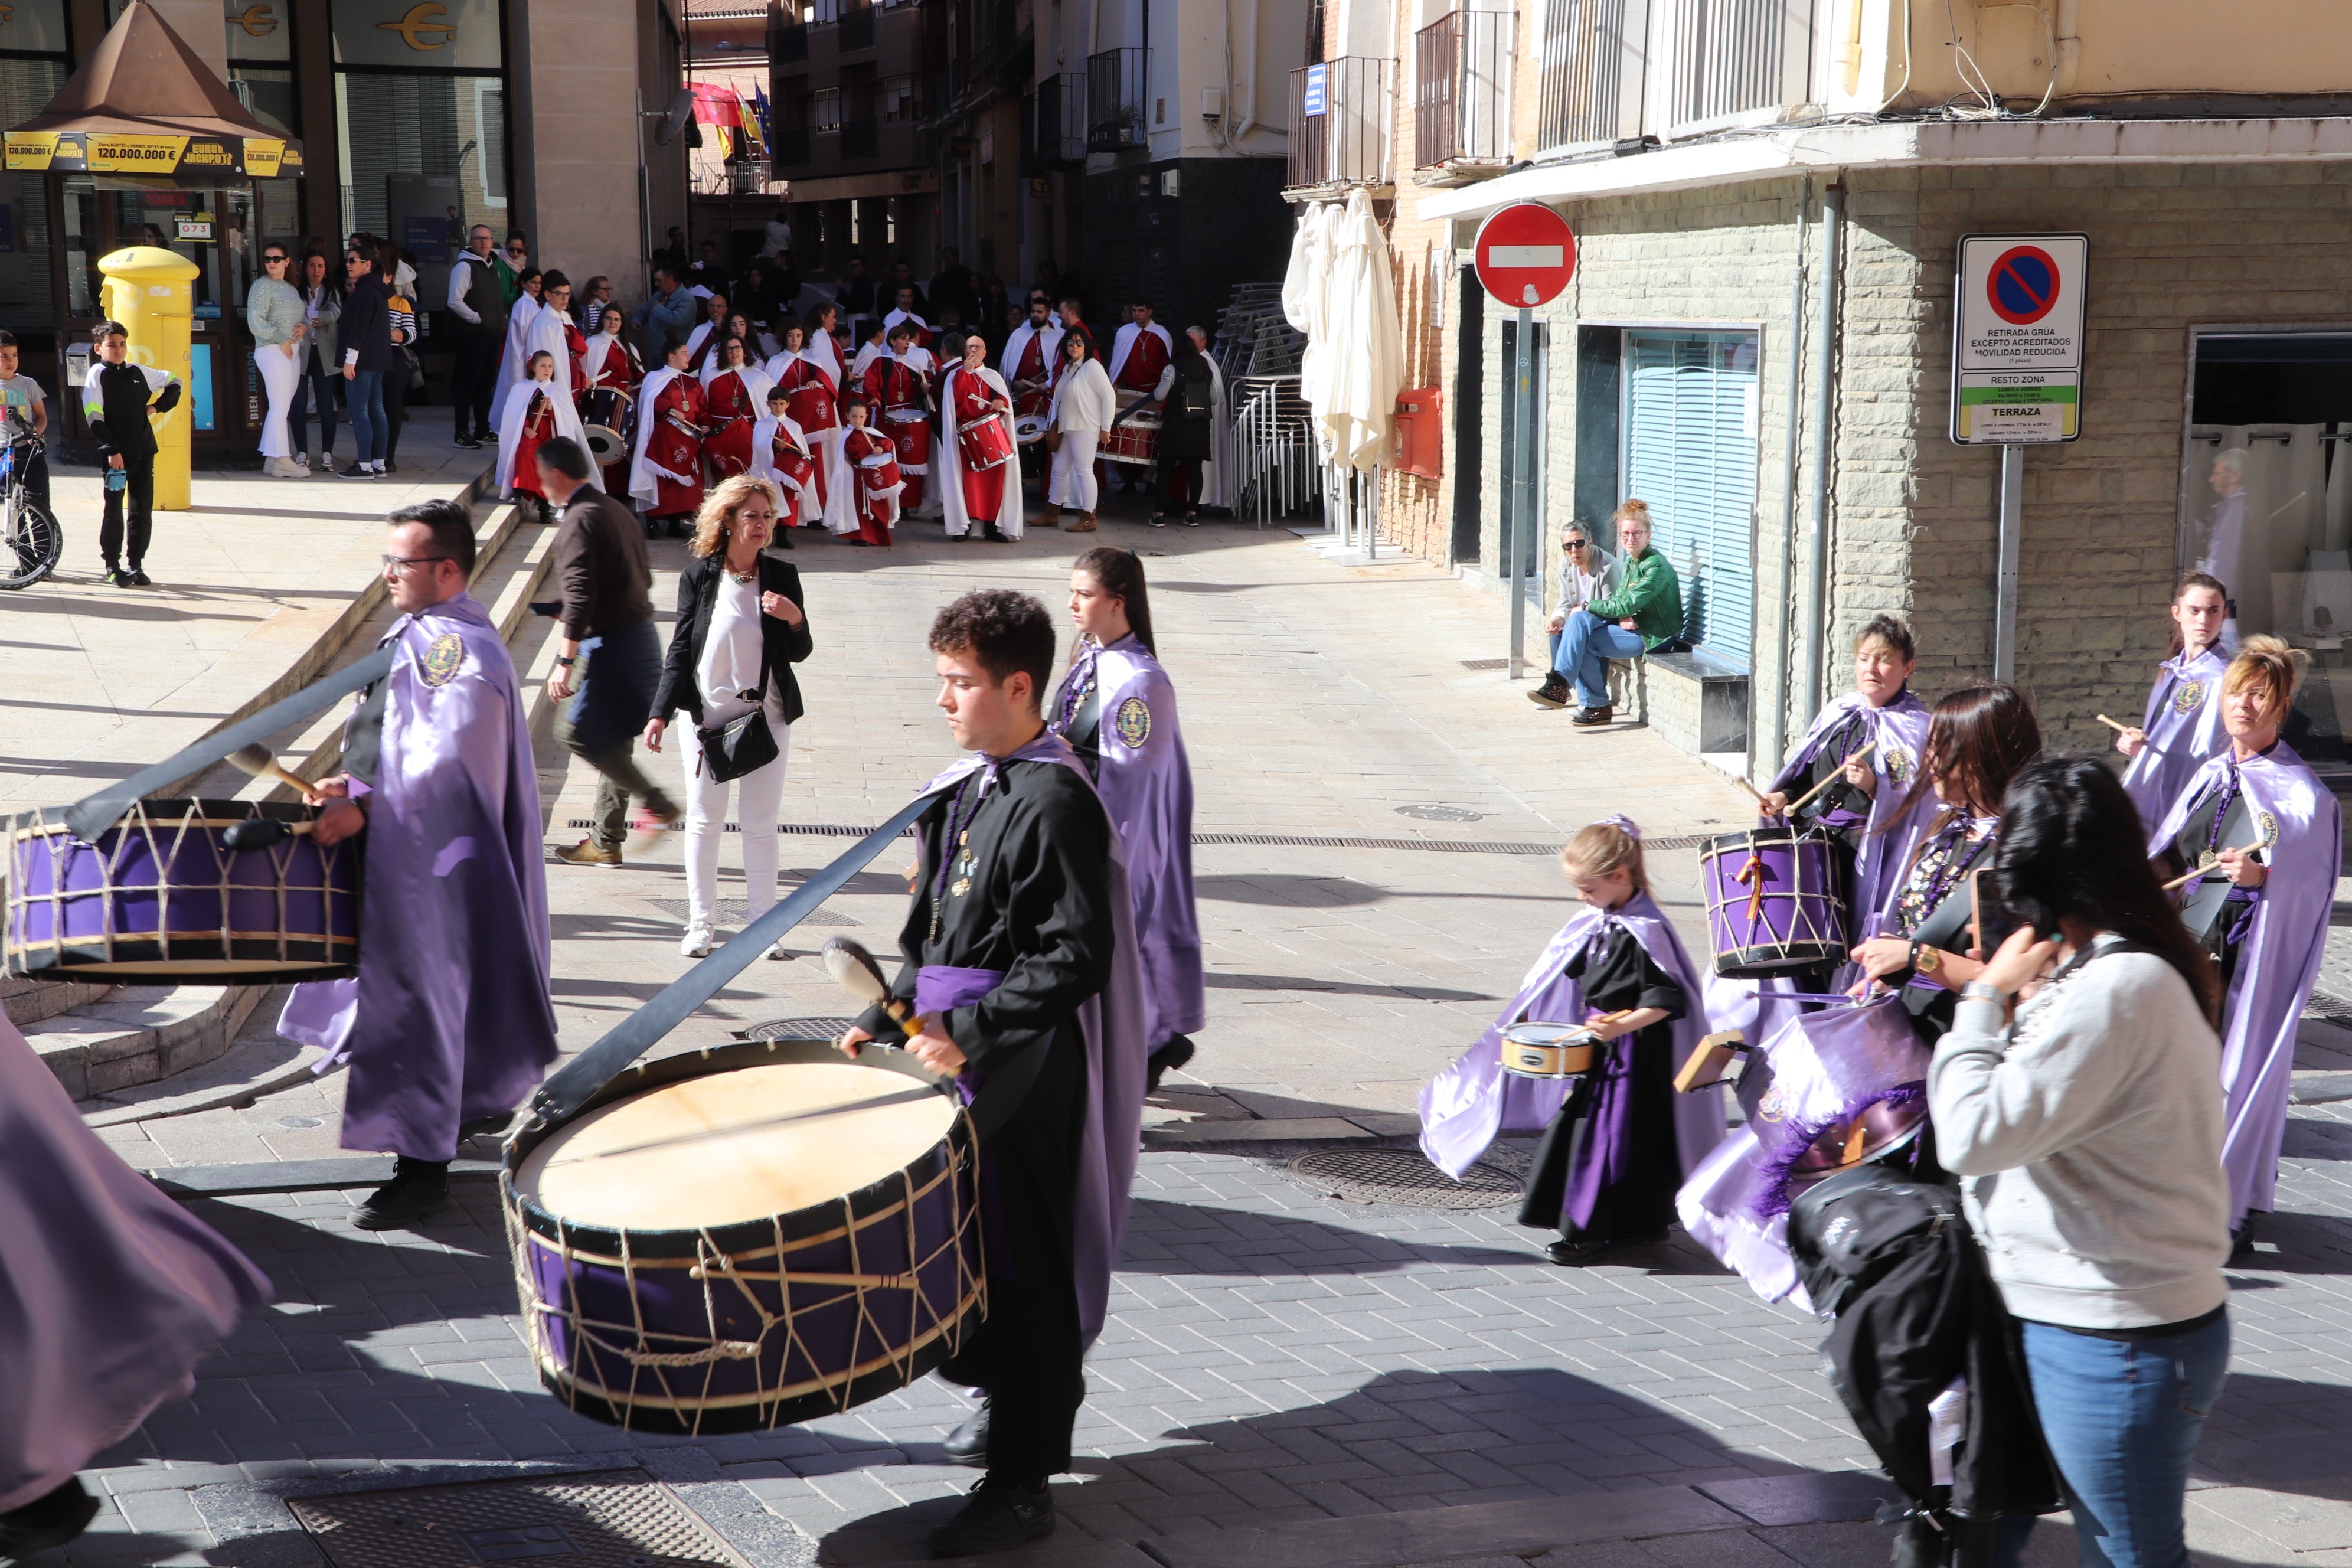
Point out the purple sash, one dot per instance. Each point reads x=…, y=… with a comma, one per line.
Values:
x=939, y=986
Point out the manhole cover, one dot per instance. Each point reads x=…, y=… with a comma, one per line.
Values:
x=796, y=1030
x=611, y=1519
x=1401, y=1176
x=736, y=912
x=1441, y=813
x=298, y=1121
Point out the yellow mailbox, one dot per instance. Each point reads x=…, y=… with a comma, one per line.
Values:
x=151, y=291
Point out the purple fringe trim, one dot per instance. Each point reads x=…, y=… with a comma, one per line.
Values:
x=1773, y=1197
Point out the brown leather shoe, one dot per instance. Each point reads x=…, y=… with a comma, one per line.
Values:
x=1589, y=716
x=585, y=853
x=1084, y=525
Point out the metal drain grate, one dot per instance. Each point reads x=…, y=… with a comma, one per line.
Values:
x=736, y=912
x=1485, y=664
x=1401, y=1176
x=2333, y=1009
x=796, y=1030
x=610, y=1519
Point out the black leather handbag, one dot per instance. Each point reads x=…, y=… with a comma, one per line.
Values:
x=739, y=746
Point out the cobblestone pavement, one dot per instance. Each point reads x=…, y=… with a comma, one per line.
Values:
x=1275, y=1355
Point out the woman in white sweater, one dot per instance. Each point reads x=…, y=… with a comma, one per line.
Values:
x=2088, y=1130
x=1078, y=418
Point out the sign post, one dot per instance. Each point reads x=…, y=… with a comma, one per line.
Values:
x=2017, y=376
x=1524, y=254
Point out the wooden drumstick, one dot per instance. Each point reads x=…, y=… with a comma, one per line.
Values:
x=256, y=759
x=2207, y=861
x=1798, y=805
x=2110, y=723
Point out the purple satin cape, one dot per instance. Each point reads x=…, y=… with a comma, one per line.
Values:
x=1111, y=1023
x=1146, y=784
x=1890, y=833
x=1817, y=1070
x=110, y=1292
x=1465, y=1107
x=2184, y=731
x=449, y=1018
x=2279, y=962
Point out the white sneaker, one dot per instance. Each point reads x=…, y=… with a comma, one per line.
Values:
x=697, y=942
x=301, y=461
x=776, y=950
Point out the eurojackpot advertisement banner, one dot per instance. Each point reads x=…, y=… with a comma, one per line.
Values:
x=192, y=157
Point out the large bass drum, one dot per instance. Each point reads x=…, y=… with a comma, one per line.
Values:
x=729, y=1240
x=218, y=891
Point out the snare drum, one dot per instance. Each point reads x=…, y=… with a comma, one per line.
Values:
x=1030, y=428
x=877, y=473
x=735, y=1239
x=1549, y=1050
x=983, y=444
x=1773, y=902
x=162, y=897
x=1135, y=438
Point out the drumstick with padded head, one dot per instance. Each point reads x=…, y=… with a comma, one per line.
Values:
x=854, y=969
x=256, y=759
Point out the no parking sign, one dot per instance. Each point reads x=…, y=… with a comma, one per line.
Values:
x=2017, y=339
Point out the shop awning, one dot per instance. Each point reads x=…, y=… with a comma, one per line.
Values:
x=143, y=104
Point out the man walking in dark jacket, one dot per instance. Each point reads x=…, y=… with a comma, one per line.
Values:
x=116, y=401
x=608, y=619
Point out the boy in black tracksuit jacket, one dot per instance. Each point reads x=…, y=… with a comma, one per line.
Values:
x=116, y=401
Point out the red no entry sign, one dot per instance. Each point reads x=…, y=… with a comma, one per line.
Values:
x=1526, y=255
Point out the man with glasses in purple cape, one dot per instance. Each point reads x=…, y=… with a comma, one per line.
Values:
x=449, y=1023
x=1020, y=974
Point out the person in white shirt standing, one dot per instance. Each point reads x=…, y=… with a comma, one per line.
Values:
x=480, y=304
x=1080, y=417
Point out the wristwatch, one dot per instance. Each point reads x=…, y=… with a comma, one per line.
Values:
x=567, y=660
x=1928, y=961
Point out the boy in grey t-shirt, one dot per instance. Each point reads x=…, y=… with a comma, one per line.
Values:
x=27, y=408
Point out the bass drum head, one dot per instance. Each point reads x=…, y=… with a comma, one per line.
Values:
x=604, y=444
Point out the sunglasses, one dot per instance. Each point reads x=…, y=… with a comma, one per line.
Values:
x=271, y=260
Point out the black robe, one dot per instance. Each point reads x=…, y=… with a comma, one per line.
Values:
x=1622, y=1114
x=1036, y=906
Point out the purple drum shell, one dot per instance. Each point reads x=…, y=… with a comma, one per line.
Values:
x=1800, y=922
x=159, y=897
x=845, y=1346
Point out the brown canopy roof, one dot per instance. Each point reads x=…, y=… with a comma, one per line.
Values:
x=142, y=79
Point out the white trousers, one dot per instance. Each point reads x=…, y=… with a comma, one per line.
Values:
x=280, y=374
x=1072, y=481
x=758, y=795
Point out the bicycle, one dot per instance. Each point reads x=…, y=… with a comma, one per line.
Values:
x=30, y=539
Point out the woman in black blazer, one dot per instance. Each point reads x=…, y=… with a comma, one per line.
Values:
x=741, y=628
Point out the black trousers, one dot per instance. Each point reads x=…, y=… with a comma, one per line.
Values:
x=396, y=405
x=475, y=382
x=1028, y=1355
x=139, y=492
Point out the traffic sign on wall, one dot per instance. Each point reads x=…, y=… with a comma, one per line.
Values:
x=1524, y=254
x=2017, y=339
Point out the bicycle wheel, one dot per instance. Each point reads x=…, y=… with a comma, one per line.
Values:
x=30, y=543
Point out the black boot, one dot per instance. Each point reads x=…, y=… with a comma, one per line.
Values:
x=1168, y=1059
x=1553, y=693
x=47, y=1521
x=968, y=1444
x=417, y=1189
x=1002, y=1515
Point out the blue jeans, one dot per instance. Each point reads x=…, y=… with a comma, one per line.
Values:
x=319, y=388
x=364, y=402
x=1581, y=654
x=2122, y=1418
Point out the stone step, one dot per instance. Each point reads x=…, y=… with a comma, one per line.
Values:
x=27, y=1001
x=138, y=1034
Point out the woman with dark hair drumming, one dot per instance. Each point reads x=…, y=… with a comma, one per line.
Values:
x=2182, y=730
x=1020, y=965
x=2264, y=837
x=1978, y=739
x=1118, y=709
x=2090, y=1145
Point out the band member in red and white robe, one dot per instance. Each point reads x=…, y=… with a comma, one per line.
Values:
x=972, y=397
x=1028, y=367
x=1141, y=352
x=734, y=396
x=875, y=346
x=609, y=373
x=924, y=332
x=900, y=384
x=703, y=341
x=824, y=347
x=667, y=479
x=815, y=396
x=537, y=411
x=782, y=452
x=872, y=459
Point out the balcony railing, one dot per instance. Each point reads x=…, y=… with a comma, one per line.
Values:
x=1061, y=128
x=1462, y=66
x=1116, y=81
x=1740, y=55
x=856, y=28
x=789, y=43
x=1340, y=114
x=1591, y=68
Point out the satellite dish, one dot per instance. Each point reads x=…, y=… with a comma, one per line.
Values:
x=679, y=117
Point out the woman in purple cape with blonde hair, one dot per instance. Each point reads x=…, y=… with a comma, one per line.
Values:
x=1619, y=1140
x=2182, y=730
x=2271, y=835
x=1116, y=708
